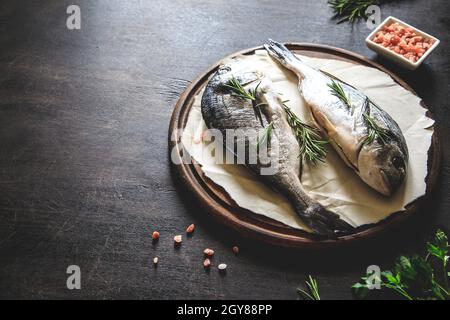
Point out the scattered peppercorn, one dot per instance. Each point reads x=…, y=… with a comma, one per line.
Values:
x=178, y=239
x=222, y=267
x=190, y=229
x=155, y=235
x=208, y=252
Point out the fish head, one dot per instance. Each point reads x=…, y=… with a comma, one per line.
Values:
x=234, y=68
x=383, y=166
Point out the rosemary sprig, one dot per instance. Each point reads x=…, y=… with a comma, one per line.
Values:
x=351, y=10
x=338, y=91
x=238, y=90
x=266, y=137
x=375, y=132
x=312, y=146
x=313, y=290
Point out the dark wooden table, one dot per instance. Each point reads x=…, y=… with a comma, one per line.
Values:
x=84, y=167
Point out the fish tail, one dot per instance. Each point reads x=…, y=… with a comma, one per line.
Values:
x=325, y=223
x=322, y=222
x=280, y=53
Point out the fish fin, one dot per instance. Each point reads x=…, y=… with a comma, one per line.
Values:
x=280, y=53
x=330, y=132
x=325, y=223
x=333, y=77
x=323, y=123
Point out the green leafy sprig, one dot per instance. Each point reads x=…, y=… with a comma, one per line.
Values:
x=375, y=132
x=312, y=146
x=238, y=90
x=312, y=291
x=266, y=137
x=351, y=10
x=338, y=91
x=413, y=277
x=439, y=249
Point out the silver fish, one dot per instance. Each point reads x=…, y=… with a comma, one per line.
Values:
x=223, y=110
x=381, y=160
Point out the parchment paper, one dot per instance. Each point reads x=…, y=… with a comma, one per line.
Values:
x=333, y=184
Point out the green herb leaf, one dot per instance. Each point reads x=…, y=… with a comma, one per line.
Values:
x=258, y=112
x=414, y=277
x=351, y=10
x=238, y=90
x=338, y=91
x=312, y=293
x=439, y=247
x=404, y=268
x=312, y=146
x=375, y=132
x=361, y=289
x=395, y=280
x=266, y=137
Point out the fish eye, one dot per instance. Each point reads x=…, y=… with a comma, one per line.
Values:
x=398, y=162
x=224, y=69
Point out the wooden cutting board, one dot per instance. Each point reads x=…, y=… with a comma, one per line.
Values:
x=216, y=202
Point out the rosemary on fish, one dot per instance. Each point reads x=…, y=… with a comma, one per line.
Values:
x=351, y=10
x=239, y=91
x=312, y=146
x=266, y=137
x=338, y=91
x=375, y=132
x=313, y=290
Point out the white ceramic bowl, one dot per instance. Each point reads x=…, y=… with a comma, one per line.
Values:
x=393, y=56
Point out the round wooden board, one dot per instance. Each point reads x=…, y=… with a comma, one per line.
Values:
x=217, y=202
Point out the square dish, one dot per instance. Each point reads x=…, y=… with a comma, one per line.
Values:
x=417, y=57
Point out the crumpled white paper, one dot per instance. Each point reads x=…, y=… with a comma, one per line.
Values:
x=333, y=184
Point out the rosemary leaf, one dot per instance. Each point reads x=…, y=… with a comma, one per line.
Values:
x=238, y=90
x=258, y=113
x=338, y=91
x=266, y=137
x=351, y=10
x=312, y=146
x=375, y=132
x=313, y=290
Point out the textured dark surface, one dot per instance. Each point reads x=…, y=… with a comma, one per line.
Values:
x=84, y=167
